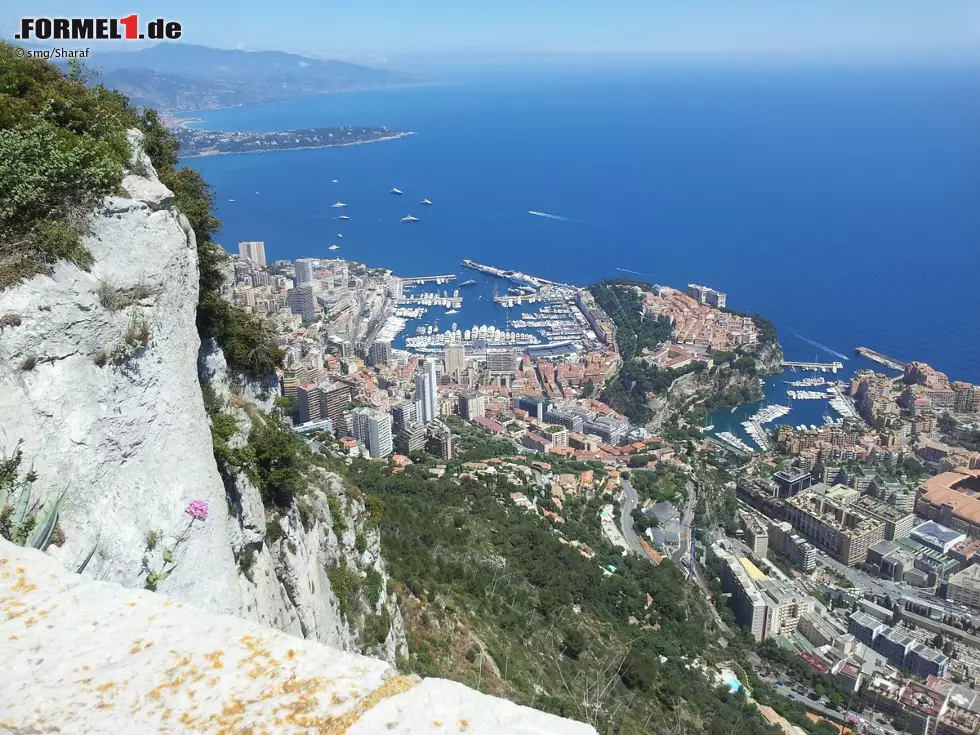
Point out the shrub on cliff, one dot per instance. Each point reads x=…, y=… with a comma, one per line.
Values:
x=62, y=148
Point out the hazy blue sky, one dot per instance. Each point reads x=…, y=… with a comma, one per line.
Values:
x=391, y=28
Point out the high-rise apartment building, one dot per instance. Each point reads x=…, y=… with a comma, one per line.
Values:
x=426, y=392
x=252, y=250
x=379, y=353
x=373, y=428
x=405, y=414
x=336, y=397
x=310, y=400
x=472, y=405
x=501, y=361
x=455, y=359
x=304, y=271
x=302, y=302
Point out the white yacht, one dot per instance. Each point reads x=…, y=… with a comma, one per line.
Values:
x=335, y=246
x=338, y=205
x=339, y=235
x=426, y=201
x=410, y=218
x=452, y=311
x=396, y=191
x=343, y=216
x=334, y=181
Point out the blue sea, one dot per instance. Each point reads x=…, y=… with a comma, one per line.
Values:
x=840, y=201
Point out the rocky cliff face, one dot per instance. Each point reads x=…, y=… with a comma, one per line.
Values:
x=99, y=380
x=293, y=558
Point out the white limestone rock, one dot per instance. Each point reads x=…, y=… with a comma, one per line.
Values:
x=130, y=439
x=86, y=657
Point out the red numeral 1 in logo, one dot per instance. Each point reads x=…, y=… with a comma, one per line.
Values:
x=130, y=23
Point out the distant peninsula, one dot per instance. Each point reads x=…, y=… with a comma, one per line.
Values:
x=198, y=143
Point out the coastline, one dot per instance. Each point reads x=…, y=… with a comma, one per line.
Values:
x=300, y=148
x=184, y=121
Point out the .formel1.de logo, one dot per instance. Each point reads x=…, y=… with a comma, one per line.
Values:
x=97, y=29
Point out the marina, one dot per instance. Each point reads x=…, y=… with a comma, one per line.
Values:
x=432, y=299
x=732, y=441
x=842, y=406
x=814, y=367
x=810, y=395
x=807, y=382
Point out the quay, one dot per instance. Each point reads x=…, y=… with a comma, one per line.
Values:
x=880, y=358
x=814, y=366
x=429, y=279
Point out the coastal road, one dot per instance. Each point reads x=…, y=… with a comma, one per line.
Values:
x=628, y=503
x=834, y=715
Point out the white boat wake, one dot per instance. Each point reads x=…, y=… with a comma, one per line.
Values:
x=550, y=216
x=825, y=348
x=639, y=273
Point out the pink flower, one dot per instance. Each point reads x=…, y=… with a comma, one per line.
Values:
x=197, y=509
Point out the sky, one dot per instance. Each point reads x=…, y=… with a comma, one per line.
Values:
x=390, y=29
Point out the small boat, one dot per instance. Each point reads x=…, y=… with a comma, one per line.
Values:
x=334, y=181
x=343, y=216
x=452, y=311
x=426, y=201
x=410, y=218
x=231, y=200
x=338, y=205
x=396, y=191
x=335, y=246
x=339, y=235
x=468, y=283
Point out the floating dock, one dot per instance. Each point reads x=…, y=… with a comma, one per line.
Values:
x=429, y=279
x=822, y=367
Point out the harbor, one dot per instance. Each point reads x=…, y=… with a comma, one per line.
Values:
x=810, y=395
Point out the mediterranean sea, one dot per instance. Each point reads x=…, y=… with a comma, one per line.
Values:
x=842, y=202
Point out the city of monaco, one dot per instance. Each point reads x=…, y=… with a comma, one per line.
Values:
x=512, y=368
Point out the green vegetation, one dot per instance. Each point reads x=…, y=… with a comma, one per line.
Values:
x=345, y=586
x=959, y=435
x=635, y=331
x=659, y=484
x=62, y=148
x=276, y=461
x=491, y=598
x=22, y=522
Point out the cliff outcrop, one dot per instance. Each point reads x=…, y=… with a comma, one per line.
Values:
x=99, y=385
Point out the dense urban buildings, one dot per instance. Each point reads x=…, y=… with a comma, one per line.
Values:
x=253, y=251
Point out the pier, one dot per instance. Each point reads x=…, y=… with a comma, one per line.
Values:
x=429, y=279
x=814, y=366
x=880, y=358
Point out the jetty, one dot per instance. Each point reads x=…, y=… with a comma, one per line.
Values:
x=429, y=279
x=880, y=358
x=822, y=367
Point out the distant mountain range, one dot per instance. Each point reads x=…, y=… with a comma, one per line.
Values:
x=175, y=77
